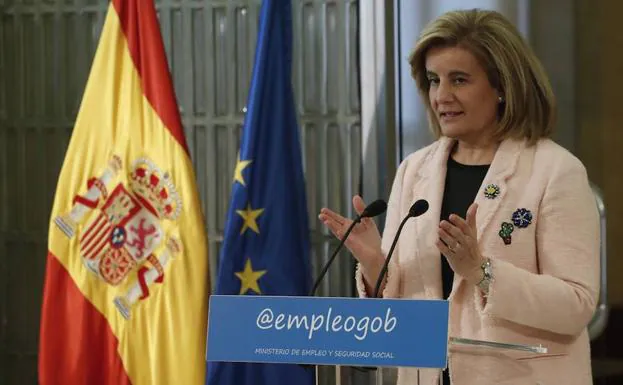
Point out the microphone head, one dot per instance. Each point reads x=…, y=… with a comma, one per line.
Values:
x=375, y=208
x=418, y=208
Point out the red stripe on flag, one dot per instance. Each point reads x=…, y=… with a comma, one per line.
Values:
x=142, y=32
x=76, y=344
x=93, y=238
x=87, y=237
x=93, y=253
x=100, y=240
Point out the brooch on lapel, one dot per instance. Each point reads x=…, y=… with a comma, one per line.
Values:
x=522, y=218
x=505, y=232
x=492, y=191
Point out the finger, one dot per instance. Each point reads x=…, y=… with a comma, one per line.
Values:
x=331, y=219
x=358, y=204
x=447, y=238
x=460, y=223
x=452, y=230
x=443, y=249
x=336, y=228
x=328, y=213
x=361, y=226
x=471, y=217
x=367, y=223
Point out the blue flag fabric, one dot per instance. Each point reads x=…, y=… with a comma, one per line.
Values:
x=266, y=245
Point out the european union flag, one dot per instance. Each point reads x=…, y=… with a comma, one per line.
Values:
x=266, y=245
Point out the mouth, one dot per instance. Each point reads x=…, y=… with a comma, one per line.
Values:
x=450, y=115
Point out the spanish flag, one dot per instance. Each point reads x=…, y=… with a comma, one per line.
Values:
x=126, y=284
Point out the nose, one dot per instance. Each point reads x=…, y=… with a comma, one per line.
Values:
x=444, y=92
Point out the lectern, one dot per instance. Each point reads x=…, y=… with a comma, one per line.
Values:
x=337, y=331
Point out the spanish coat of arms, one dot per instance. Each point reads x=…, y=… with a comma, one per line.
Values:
x=124, y=233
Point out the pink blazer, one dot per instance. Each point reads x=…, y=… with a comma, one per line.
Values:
x=546, y=274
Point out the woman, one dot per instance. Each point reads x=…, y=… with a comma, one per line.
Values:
x=511, y=238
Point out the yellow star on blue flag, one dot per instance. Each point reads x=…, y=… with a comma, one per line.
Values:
x=250, y=218
x=249, y=278
x=240, y=166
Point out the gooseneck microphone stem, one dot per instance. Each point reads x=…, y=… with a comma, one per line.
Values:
x=416, y=209
x=381, y=276
x=333, y=256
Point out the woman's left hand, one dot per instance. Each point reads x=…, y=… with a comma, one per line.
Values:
x=458, y=242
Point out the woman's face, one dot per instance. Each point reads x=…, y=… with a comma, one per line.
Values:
x=460, y=94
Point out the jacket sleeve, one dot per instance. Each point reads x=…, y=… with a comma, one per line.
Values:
x=563, y=296
x=392, y=221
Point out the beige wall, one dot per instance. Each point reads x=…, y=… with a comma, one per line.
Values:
x=599, y=114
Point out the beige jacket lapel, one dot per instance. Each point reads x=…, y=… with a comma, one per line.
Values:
x=430, y=186
x=502, y=168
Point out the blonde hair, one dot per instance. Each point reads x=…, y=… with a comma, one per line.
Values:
x=529, y=107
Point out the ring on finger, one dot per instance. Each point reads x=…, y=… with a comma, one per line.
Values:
x=453, y=248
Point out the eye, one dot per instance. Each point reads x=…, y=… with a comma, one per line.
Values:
x=433, y=81
x=460, y=80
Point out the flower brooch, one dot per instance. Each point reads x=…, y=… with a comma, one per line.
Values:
x=492, y=191
x=521, y=218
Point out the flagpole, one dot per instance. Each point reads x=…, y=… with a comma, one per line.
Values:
x=338, y=375
x=379, y=376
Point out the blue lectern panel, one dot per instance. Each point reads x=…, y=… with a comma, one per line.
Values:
x=328, y=331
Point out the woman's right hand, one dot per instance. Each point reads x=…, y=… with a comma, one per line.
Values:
x=364, y=241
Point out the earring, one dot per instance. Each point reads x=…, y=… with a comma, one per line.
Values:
x=500, y=99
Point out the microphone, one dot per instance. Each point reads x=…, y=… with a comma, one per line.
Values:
x=372, y=210
x=417, y=209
